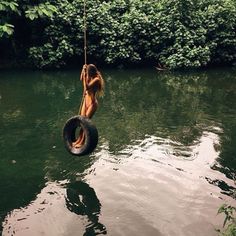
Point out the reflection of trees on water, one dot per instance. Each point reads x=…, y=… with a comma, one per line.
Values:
x=55, y=86
x=227, y=159
x=225, y=188
x=146, y=104
x=81, y=199
x=44, y=103
x=17, y=122
x=178, y=106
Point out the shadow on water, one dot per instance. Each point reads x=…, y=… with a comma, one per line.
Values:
x=49, y=212
x=145, y=115
x=81, y=199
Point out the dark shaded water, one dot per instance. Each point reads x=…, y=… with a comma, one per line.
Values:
x=164, y=164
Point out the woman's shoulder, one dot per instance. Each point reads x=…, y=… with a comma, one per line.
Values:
x=97, y=78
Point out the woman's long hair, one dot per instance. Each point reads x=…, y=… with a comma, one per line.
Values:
x=92, y=73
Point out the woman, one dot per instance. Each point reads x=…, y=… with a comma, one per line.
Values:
x=93, y=88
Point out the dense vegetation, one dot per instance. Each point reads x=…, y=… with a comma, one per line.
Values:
x=172, y=33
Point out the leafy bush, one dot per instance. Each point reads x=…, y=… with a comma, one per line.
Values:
x=173, y=33
x=220, y=24
x=184, y=35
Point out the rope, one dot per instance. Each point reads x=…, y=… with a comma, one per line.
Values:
x=85, y=34
x=85, y=50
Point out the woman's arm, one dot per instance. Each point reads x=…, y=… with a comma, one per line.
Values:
x=83, y=77
x=83, y=73
x=92, y=83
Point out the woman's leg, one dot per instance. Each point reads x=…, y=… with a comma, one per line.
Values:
x=91, y=110
x=78, y=142
x=89, y=113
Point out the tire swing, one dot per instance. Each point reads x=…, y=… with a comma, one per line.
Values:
x=90, y=132
x=80, y=122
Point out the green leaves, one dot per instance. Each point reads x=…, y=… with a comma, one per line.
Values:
x=173, y=33
x=41, y=10
x=6, y=29
x=10, y=9
x=220, y=24
x=9, y=6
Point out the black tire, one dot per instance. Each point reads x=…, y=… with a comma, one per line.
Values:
x=90, y=131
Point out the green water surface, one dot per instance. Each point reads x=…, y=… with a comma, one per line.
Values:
x=164, y=163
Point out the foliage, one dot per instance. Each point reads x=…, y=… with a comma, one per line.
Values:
x=43, y=9
x=21, y=8
x=186, y=45
x=172, y=33
x=7, y=8
x=220, y=23
x=230, y=220
x=6, y=29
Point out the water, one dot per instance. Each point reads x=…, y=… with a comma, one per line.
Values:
x=164, y=164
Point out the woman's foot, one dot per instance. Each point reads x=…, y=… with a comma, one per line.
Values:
x=77, y=144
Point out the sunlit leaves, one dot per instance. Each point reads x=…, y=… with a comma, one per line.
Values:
x=9, y=9
x=6, y=8
x=9, y=6
x=41, y=10
x=6, y=29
